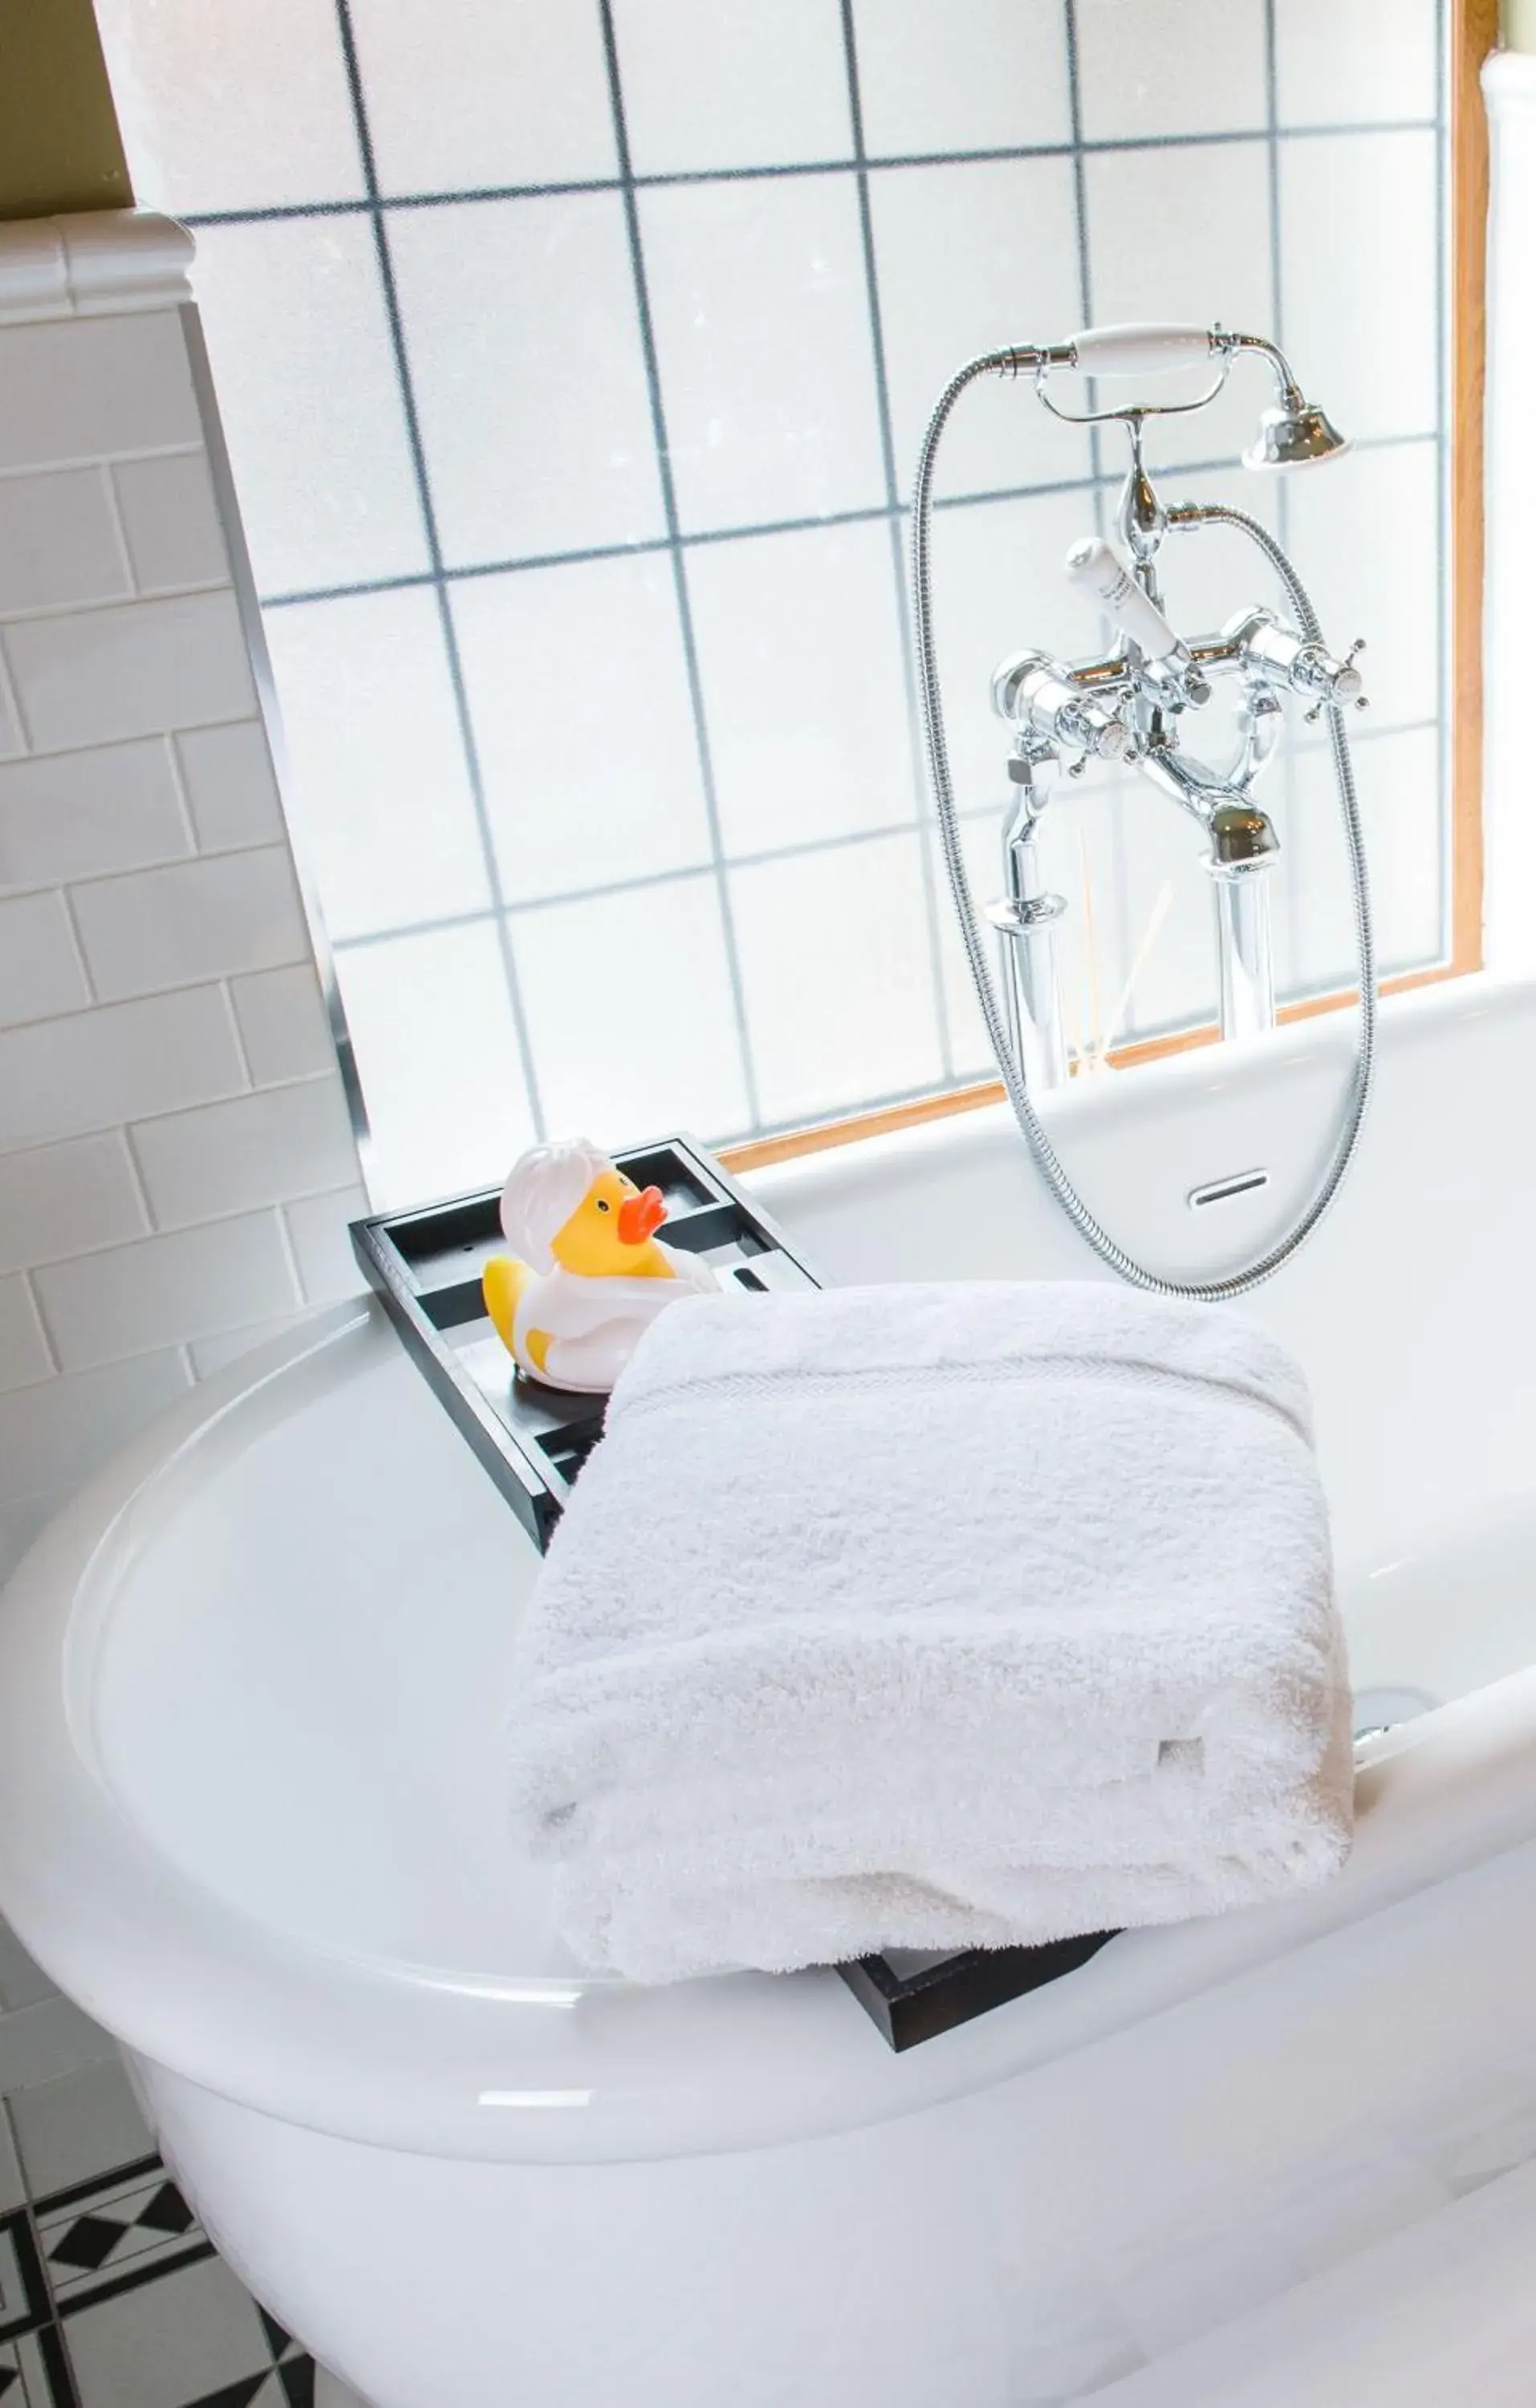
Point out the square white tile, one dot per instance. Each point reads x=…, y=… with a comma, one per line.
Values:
x=961, y=75
x=759, y=298
x=998, y=588
x=1398, y=777
x=578, y=692
x=85, y=2126
x=1363, y=343
x=1363, y=533
x=43, y=2042
x=799, y=646
x=184, y=2337
x=970, y=258
x=1346, y=62
x=184, y=78
x=534, y=408
x=437, y=1051
x=1143, y=72
x=630, y=999
x=297, y=336
x=463, y=94
x=1193, y=227
x=728, y=83
x=171, y=523
x=381, y=794
x=981, y=838
x=58, y=544
x=838, y=977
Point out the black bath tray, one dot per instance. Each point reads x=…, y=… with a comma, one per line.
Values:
x=426, y=1266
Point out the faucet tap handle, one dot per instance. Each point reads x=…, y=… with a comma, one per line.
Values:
x=1095, y=570
x=1044, y=699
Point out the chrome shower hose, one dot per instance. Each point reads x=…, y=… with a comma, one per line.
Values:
x=1106, y=1247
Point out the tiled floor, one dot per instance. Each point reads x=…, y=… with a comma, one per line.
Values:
x=110, y=2293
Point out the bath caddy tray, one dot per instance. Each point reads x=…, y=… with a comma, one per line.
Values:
x=426, y=1266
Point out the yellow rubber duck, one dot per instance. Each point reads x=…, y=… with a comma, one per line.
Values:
x=588, y=1274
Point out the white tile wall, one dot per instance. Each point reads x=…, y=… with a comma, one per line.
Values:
x=166, y=1087
x=615, y=689
x=170, y=523
x=533, y=111
x=728, y=83
x=191, y=921
x=59, y=542
x=40, y=968
x=762, y=326
x=372, y=739
x=69, y=814
x=580, y=690
x=536, y=411
x=299, y=332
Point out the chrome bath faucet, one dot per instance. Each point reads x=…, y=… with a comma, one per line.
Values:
x=1132, y=706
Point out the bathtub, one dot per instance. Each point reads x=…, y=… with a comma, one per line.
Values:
x=249, y=1817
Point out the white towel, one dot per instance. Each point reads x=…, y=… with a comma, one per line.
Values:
x=933, y=1617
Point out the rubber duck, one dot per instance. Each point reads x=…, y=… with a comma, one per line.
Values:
x=587, y=1274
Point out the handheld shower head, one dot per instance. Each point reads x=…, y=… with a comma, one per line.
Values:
x=1294, y=435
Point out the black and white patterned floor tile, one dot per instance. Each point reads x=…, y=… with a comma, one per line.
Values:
x=111, y=2296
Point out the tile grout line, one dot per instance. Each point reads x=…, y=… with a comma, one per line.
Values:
x=893, y=496
x=880, y=163
x=417, y=450
x=570, y=899
x=680, y=574
x=299, y=597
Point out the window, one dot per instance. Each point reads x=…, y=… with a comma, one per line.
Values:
x=574, y=355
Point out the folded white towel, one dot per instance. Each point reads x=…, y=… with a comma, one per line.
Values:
x=933, y=1617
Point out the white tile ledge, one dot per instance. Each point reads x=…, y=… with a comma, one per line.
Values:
x=95, y=264
x=1509, y=81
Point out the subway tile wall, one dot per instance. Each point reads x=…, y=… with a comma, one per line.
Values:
x=611, y=327
x=176, y=1158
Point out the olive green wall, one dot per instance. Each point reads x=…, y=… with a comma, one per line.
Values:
x=60, y=148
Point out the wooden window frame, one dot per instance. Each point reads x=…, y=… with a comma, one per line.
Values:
x=1473, y=33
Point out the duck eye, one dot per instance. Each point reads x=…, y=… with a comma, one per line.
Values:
x=603, y=1207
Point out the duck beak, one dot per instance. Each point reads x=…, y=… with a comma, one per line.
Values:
x=641, y=1217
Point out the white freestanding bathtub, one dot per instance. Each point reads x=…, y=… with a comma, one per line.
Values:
x=250, y=1818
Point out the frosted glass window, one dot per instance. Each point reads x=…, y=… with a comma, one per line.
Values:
x=573, y=356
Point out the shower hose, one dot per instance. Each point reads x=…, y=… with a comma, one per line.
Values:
x=1107, y=1248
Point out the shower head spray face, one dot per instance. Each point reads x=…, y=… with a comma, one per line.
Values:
x=1296, y=435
